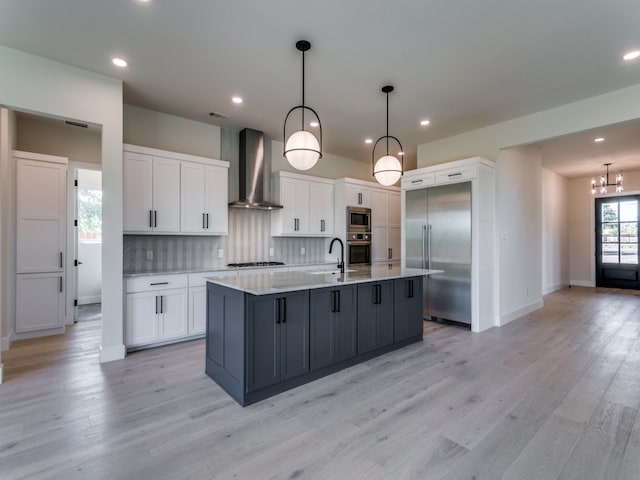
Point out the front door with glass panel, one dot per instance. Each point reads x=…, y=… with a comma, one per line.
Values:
x=617, y=242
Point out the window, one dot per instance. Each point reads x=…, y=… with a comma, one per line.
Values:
x=89, y=214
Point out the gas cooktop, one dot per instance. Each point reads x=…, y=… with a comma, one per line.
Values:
x=254, y=264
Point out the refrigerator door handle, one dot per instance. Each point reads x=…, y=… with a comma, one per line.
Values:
x=424, y=240
x=429, y=246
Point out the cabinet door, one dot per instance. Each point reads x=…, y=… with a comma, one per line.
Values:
x=321, y=208
x=173, y=313
x=407, y=294
x=294, y=331
x=192, y=198
x=166, y=195
x=394, y=243
x=358, y=196
x=217, y=200
x=394, y=209
x=379, y=208
x=384, y=314
x=322, y=328
x=197, y=310
x=39, y=302
x=137, y=178
x=379, y=243
x=345, y=323
x=263, y=342
x=366, y=317
x=40, y=216
x=142, y=318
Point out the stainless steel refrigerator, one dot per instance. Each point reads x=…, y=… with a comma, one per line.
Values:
x=438, y=236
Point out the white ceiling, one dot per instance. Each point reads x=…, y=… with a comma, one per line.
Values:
x=463, y=64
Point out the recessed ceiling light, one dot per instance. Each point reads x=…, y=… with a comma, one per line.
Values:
x=368, y=140
x=236, y=100
x=631, y=55
x=599, y=139
x=119, y=62
x=424, y=123
x=314, y=124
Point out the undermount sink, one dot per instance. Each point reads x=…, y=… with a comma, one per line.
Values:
x=327, y=272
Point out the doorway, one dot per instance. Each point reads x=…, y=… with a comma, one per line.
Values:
x=617, y=242
x=88, y=244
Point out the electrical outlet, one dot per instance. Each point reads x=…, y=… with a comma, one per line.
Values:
x=149, y=254
x=220, y=253
x=272, y=251
x=303, y=251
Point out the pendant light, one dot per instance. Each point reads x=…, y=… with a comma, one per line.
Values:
x=604, y=182
x=302, y=149
x=388, y=169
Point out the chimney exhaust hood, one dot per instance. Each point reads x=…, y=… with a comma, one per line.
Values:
x=251, y=172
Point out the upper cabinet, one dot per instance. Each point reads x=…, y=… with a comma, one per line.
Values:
x=173, y=193
x=308, y=206
x=357, y=196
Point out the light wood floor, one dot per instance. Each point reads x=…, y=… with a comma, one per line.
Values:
x=552, y=395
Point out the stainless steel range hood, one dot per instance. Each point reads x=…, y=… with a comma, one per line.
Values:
x=251, y=172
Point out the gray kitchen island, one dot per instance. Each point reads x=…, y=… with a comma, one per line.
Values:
x=270, y=332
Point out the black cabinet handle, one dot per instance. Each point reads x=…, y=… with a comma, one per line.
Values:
x=155, y=218
x=359, y=198
x=338, y=301
x=333, y=301
x=161, y=302
x=203, y=221
x=416, y=181
x=159, y=283
x=410, y=285
x=61, y=260
x=283, y=305
x=156, y=304
x=277, y=312
x=390, y=253
x=454, y=174
x=150, y=218
x=377, y=293
x=60, y=284
x=207, y=220
x=322, y=225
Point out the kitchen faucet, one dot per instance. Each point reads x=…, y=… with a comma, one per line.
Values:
x=341, y=261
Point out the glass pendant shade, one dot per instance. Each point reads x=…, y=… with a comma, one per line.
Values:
x=387, y=170
x=302, y=150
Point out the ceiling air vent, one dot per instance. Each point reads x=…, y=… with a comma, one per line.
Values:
x=221, y=116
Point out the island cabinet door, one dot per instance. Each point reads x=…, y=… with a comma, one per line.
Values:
x=375, y=315
x=322, y=328
x=345, y=322
x=408, y=308
x=263, y=341
x=294, y=334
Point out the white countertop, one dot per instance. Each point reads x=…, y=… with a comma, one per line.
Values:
x=220, y=268
x=279, y=282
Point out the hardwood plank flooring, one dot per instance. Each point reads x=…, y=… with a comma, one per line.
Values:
x=552, y=395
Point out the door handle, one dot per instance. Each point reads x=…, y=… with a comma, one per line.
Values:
x=455, y=174
x=207, y=220
x=159, y=283
x=203, y=221
x=277, y=312
x=333, y=301
x=61, y=285
x=161, y=302
x=410, y=285
x=156, y=304
x=377, y=294
x=155, y=218
x=61, y=260
x=283, y=307
x=429, y=246
x=150, y=218
x=416, y=181
x=338, y=301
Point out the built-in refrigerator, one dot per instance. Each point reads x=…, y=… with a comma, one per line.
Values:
x=438, y=237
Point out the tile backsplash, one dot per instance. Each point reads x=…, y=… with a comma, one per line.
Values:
x=249, y=240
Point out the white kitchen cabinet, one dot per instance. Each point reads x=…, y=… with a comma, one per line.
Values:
x=203, y=198
x=308, y=206
x=40, y=243
x=39, y=302
x=158, y=200
x=321, y=208
x=198, y=300
x=156, y=309
x=385, y=229
x=151, y=194
x=358, y=196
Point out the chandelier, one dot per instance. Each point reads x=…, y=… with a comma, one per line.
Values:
x=604, y=183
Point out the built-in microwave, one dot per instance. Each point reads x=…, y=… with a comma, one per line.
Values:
x=358, y=219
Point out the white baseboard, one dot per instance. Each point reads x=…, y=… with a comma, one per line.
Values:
x=38, y=333
x=89, y=300
x=554, y=288
x=5, y=342
x=504, y=319
x=581, y=283
x=111, y=353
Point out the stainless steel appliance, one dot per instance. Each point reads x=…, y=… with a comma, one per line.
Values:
x=359, y=248
x=358, y=219
x=438, y=236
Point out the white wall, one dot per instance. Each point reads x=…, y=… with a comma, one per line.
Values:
x=581, y=212
x=54, y=137
x=168, y=132
x=519, y=222
x=37, y=85
x=555, y=232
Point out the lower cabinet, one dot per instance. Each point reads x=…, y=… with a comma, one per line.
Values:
x=407, y=294
x=277, y=338
x=39, y=301
x=375, y=315
x=156, y=316
x=197, y=310
x=333, y=325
